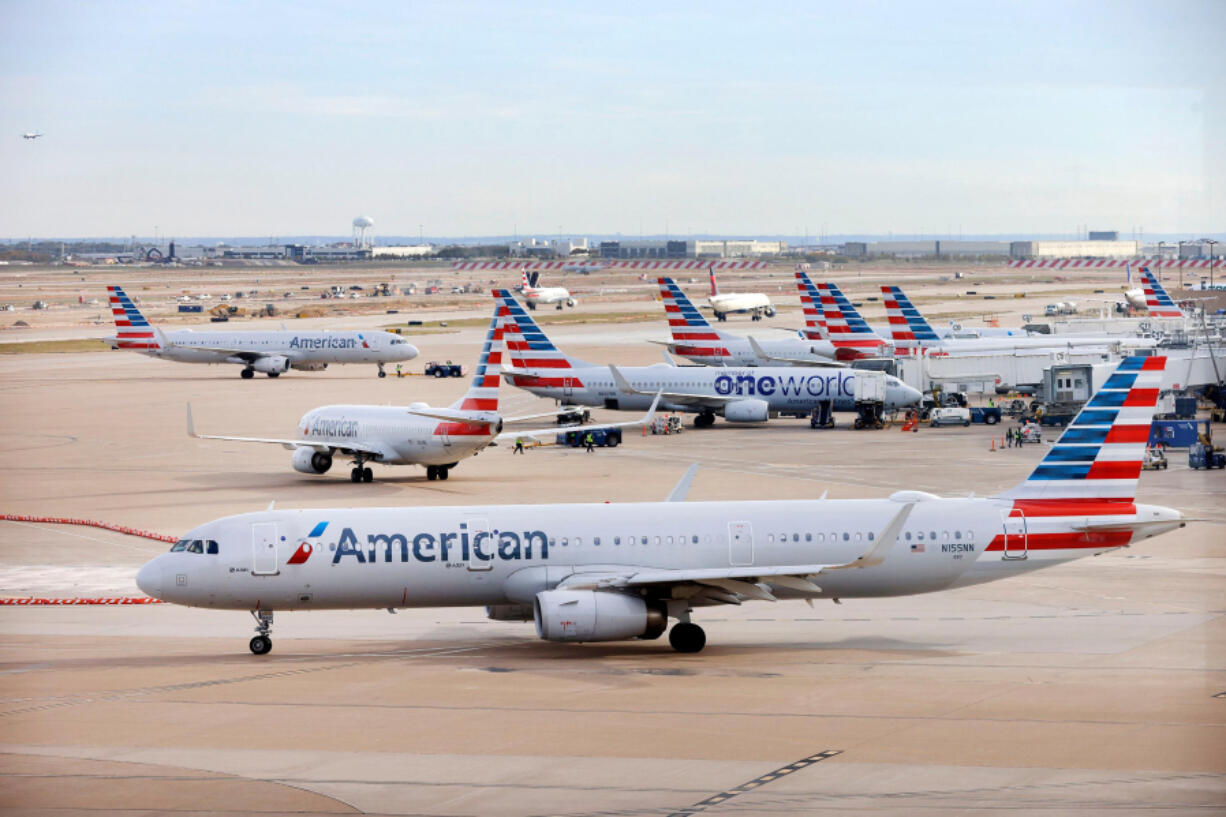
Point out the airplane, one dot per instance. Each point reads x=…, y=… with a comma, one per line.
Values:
x=28, y=135
x=1157, y=300
x=271, y=352
x=721, y=304
x=590, y=572
x=741, y=395
x=830, y=316
x=912, y=334
x=695, y=339
x=534, y=295
x=418, y=434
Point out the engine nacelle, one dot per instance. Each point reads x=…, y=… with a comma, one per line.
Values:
x=747, y=411
x=273, y=364
x=594, y=615
x=509, y=612
x=571, y=302
x=309, y=366
x=770, y=311
x=310, y=461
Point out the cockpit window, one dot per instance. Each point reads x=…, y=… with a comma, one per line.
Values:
x=212, y=547
x=195, y=546
x=179, y=545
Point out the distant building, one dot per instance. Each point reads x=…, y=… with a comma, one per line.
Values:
x=410, y=251
x=693, y=248
x=1104, y=235
x=1075, y=249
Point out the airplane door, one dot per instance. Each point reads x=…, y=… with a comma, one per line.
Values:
x=568, y=387
x=1015, y=534
x=264, y=549
x=486, y=547
x=740, y=544
x=443, y=436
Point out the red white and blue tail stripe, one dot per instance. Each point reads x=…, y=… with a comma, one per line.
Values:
x=693, y=335
x=811, y=304
x=482, y=394
x=530, y=349
x=908, y=328
x=1156, y=298
x=134, y=331
x=1097, y=460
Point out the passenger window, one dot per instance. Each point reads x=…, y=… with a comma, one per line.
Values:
x=770, y=538
x=657, y=540
x=808, y=537
x=617, y=540
x=821, y=537
x=846, y=537
x=944, y=534
x=179, y=546
x=595, y=540
x=970, y=536
x=669, y=540
x=644, y=540
x=870, y=536
x=565, y=541
x=578, y=541
x=707, y=539
x=694, y=540
x=919, y=534
x=795, y=537
x=859, y=536
x=553, y=542
x=933, y=535
x=212, y=547
x=957, y=534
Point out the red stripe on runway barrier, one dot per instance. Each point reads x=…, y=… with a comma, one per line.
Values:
x=89, y=523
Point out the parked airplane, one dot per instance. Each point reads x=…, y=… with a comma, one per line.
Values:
x=829, y=315
x=911, y=333
x=271, y=352
x=418, y=434
x=534, y=295
x=31, y=135
x=601, y=572
x=748, y=395
x=695, y=339
x=1157, y=300
x=754, y=303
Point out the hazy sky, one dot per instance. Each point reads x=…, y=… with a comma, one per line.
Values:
x=275, y=119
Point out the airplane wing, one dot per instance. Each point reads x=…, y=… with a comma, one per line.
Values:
x=760, y=352
x=676, y=397
x=452, y=418
x=372, y=452
x=549, y=432
x=728, y=584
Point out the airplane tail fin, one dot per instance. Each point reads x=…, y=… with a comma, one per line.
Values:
x=482, y=394
x=711, y=276
x=811, y=303
x=692, y=333
x=526, y=346
x=908, y=328
x=1097, y=459
x=1156, y=297
x=133, y=331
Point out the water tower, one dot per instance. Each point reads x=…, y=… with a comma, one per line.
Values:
x=363, y=232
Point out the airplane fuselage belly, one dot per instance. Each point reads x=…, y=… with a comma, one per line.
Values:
x=422, y=557
x=404, y=438
x=299, y=347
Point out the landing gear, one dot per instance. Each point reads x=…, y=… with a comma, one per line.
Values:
x=262, y=643
x=757, y=316
x=360, y=473
x=704, y=420
x=274, y=374
x=248, y=373
x=687, y=637
x=720, y=316
x=381, y=372
x=434, y=472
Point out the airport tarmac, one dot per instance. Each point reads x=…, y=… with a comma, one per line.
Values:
x=1086, y=688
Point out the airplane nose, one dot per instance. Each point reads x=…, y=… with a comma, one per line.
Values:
x=149, y=579
x=911, y=395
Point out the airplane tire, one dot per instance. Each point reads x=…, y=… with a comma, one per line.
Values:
x=687, y=637
x=261, y=645
x=367, y=475
x=431, y=472
x=382, y=373
x=355, y=475
x=247, y=374
x=274, y=374
x=443, y=472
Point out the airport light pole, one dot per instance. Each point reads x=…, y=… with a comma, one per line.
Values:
x=1161, y=257
x=1212, y=259
x=1180, y=254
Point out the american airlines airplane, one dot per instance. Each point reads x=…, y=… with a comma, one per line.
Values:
x=911, y=332
x=271, y=352
x=722, y=303
x=829, y=315
x=418, y=434
x=612, y=572
x=1157, y=300
x=749, y=395
x=534, y=295
x=695, y=339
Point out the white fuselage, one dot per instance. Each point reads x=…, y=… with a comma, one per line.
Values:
x=1062, y=343
x=464, y=556
x=737, y=351
x=783, y=388
x=546, y=295
x=738, y=302
x=402, y=438
x=301, y=348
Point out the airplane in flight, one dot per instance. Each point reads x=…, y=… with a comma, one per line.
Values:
x=912, y=333
x=740, y=395
x=588, y=572
x=722, y=303
x=30, y=135
x=269, y=351
x=418, y=434
x=695, y=339
x=534, y=295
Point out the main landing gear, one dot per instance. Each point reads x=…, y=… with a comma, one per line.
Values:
x=381, y=374
x=704, y=420
x=262, y=643
x=685, y=637
x=434, y=472
x=360, y=473
x=248, y=373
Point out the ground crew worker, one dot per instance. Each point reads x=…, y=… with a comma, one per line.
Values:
x=398, y=372
x=519, y=446
x=1009, y=438
x=589, y=440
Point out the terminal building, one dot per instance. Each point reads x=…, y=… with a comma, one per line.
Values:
x=691, y=248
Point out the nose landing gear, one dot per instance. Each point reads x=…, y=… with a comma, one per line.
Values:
x=381, y=372
x=262, y=643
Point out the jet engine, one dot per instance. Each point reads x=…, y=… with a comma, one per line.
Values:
x=747, y=411
x=273, y=364
x=594, y=615
x=571, y=302
x=770, y=311
x=309, y=366
x=310, y=461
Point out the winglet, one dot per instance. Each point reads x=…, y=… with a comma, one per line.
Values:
x=622, y=383
x=651, y=412
x=682, y=489
x=877, y=553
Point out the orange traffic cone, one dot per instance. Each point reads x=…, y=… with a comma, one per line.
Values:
x=993, y=448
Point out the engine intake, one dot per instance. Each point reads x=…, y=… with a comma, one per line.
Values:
x=310, y=461
x=271, y=364
x=594, y=615
x=747, y=411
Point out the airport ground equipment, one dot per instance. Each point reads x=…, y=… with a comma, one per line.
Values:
x=822, y=415
x=1173, y=433
x=1203, y=453
x=1155, y=459
x=601, y=437
x=950, y=416
x=988, y=415
x=574, y=417
x=448, y=369
x=869, y=392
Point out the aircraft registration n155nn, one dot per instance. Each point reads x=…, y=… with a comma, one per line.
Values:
x=611, y=572
x=740, y=395
x=418, y=434
x=271, y=351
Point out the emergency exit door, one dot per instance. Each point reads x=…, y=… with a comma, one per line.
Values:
x=740, y=544
x=264, y=549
